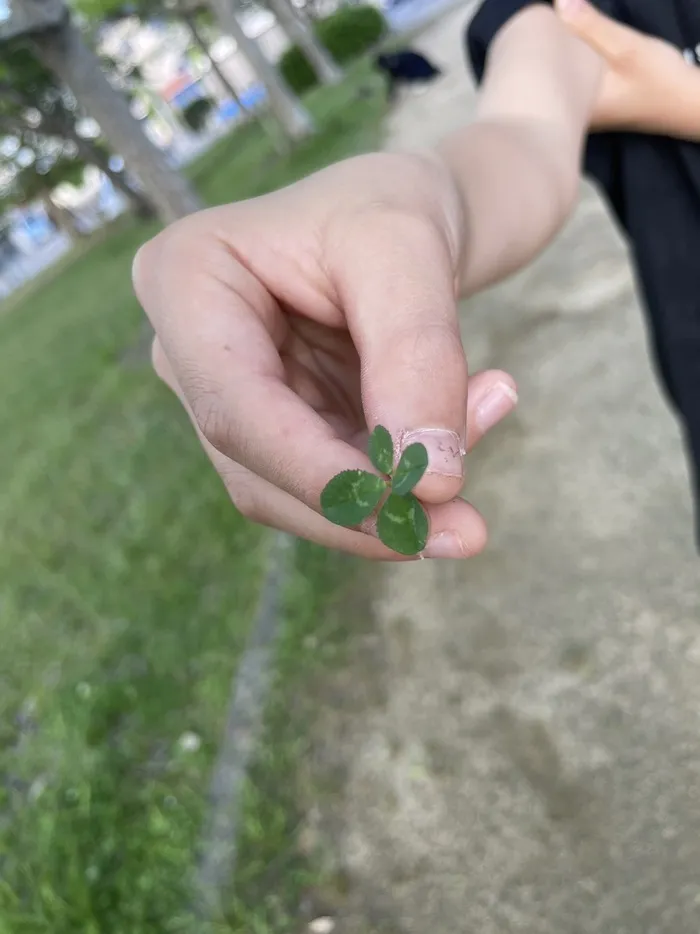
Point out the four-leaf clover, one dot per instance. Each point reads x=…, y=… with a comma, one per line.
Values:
x=353, y=495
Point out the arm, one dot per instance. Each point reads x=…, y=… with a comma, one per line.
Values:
x=648, y=86
x=517, y=165
x=292, y=324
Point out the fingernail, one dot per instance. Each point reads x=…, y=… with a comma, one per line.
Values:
x=445, y=450
x=444, y=545
x=497, y=403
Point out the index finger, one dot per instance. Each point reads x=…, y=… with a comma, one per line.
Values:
x=221, y=331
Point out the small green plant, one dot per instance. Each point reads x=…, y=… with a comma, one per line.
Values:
x=346, y=34
x=353, y=495
x=197, y=113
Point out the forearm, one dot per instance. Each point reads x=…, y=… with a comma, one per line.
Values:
x=517, y=166
x=682, y=117
x=518, y=183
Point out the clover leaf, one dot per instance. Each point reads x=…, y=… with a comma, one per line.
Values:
x=402, y=524
x=354, y=495
x=351, y=497
x=412, y=466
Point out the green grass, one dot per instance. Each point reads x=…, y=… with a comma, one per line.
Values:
x=273, y=868
x=127, y=587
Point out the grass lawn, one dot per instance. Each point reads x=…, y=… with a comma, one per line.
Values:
x=127, y=586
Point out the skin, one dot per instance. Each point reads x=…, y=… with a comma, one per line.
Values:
x=647, y=86
x=287, y=341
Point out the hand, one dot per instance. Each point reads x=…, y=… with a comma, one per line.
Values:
x=644, y=78
x=291, y=324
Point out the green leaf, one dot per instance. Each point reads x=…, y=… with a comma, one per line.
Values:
x=412, y=466
x=403, y=525
x=381, y=450
x=351, y=496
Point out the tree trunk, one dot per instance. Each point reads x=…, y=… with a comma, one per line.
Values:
x=191, y=20
x=294, y=120
x=62, y=125
x=64, y=52
x=140, y=204
x=92, y=154
x=299, y=30
x=61, y=218
x=201, y=43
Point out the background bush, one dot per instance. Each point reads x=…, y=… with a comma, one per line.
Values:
x=195, y=114
x=346, y=34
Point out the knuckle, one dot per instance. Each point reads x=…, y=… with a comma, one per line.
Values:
x=418, y=229
x=169, y=246
x=411, y=229
x=207, y=413
x=434, y=347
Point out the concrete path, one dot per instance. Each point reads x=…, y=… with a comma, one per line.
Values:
x=516, y=744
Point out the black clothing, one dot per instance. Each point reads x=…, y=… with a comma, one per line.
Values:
x=406, y=67
x=653, y=187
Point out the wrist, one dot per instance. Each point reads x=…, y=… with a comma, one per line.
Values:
x=517, y=181
x=658, y=93
x=675, y=111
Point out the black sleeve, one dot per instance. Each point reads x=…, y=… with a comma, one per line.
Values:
x=603, y=150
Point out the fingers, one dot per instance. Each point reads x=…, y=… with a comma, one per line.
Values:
x=220, y=330
x=456, y=528
x=492, y=395
x=612, y=40
x=396, y=283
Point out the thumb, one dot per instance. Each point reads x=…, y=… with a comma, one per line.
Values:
x=396, y=283
x=608, y=37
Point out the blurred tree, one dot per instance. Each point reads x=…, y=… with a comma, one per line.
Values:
x=198, y=18
x=196, y=113
x=59, y=46
x=293, y=118
x=33, y=168
x=296, y=25
x=31, y=101
x=195, y=14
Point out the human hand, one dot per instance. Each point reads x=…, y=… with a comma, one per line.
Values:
x=291, y=324
x=646, y=80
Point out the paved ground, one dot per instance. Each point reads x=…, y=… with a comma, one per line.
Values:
x=516, y=745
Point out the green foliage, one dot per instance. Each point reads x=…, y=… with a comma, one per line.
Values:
x=51, y=167
x=195, y=114
x=25, y=73
x=41, y=114
x=403, y=525
x=101, y=10
x=381, y=450
x=65, y=171
x=412, y=466
x=353, y=495
x=114, y=640
x=346, y=34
